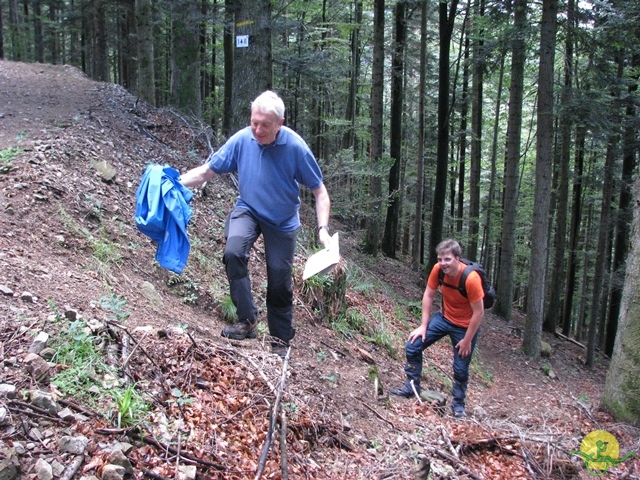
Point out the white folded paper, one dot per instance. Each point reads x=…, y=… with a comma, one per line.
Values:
x=323, y=261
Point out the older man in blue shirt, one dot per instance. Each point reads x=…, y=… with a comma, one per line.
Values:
x=272, y=161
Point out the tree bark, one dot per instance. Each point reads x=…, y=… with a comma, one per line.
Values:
x=476, y=132
x=390, y=240
x=622, y=385
x=377, y=141
x=417, y=247
x=624, y=218
x=252, y=64
x=185, y=58
x=566, y=122
x=504, y=287
x=601, y=254
x=146, y=84
x=544, y=153
x=446, y=19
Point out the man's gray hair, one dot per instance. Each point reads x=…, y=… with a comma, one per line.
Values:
x=449, y=245
x=269, y=102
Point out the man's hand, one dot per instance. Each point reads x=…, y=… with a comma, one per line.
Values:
x=421, y=331
x=464, y=347
x=324, y=237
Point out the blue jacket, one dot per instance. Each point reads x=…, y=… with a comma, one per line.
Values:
x=162, y=213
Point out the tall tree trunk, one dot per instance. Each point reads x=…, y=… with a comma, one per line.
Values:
x=38, y=34
x=390, y=240
x=17, y=53
x=53, y=34
x=446, y=19
x=101, y=51
x=377, y=140
x=129, y=57
x=146, y=84
x=464, y=113
x=574, y=230
x=622, y=385
x=253, y=64
x=566, y=122
x=185, y=58
x=1, y=37
x=476, y=130
x=228, y=45
x=488, y=247
x=348, y=138
x=417, y=246
x=504, y=287
x=544, y=147
x=625, y=216
x=601, y=254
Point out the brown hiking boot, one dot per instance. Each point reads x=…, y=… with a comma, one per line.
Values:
x=240, y=330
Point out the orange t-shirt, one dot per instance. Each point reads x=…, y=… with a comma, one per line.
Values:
x=457, y=308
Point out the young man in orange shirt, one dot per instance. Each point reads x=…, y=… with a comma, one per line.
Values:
x=459, y=318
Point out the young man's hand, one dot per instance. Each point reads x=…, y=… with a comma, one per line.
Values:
x=421, y=331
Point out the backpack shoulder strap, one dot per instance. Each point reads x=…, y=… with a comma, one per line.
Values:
x=462, y=286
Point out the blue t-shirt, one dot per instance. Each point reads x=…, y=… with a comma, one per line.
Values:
x=269, y=176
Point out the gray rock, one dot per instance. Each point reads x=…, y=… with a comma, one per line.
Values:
x=39, y=343
x=113, y=472
x=479, y=413
x=48, y=353
x=151, y=294
x=35, y=434
x=117, y=457
x=6, y=291
x=4, y=416
x=75, y=445
x=106, y=171
x=38, y=368
x=27, y=297
x=8, y=391
x=186, y=472
x=43, y=400
x=43, y=470
x=19, y=448
x=67, y=414
x=545, y=349
x=57, y=468
x=9, y=465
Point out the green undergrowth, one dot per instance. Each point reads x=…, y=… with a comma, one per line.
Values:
x=85, y=371
x=6, y=159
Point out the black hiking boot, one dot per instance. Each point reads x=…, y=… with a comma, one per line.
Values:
x=405, y=391
x=240, y=330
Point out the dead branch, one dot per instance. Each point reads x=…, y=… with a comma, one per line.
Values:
x=36, y=412
x=274, y=417
x=447, y=440
x=262, y=374
x=283, y=444
x=154, y=475
x=72, y=468
x=78, y=408
x=454, y=461
x=571, y=340
x=174, y=451
x=415, y=392
x=378, y=415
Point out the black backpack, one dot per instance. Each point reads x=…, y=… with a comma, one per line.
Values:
x=489, y=292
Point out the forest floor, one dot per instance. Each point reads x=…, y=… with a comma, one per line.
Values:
x=68, y=241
